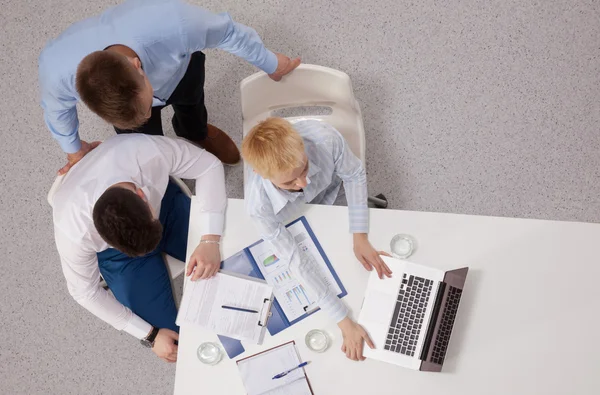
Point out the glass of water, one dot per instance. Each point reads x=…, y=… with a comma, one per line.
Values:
x=317, y=340
x=403, y=246
x=209, y=353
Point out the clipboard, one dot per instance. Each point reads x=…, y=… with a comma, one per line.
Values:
x=263, y=319
x=274, y=348
x=222, y=304
x=244, y=263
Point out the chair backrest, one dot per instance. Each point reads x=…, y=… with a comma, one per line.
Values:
x=307, y=86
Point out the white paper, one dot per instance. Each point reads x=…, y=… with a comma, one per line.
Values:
x=203, y=300
x=257, y=373
x=290, y=294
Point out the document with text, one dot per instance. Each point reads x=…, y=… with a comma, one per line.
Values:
x=228, y=304
x=291, y=294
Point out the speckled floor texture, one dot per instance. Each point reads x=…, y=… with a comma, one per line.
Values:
x=470, y=106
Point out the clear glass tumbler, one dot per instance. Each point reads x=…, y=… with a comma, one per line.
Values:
x=403, y=246
x=209, y=353
x=317, y=340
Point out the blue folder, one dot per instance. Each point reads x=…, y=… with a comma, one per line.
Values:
x=244, y=263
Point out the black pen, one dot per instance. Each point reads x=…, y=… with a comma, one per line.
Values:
x=239, y=309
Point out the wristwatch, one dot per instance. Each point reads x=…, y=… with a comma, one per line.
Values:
x=148, y=341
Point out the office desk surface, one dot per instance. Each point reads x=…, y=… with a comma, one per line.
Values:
x=527, y=324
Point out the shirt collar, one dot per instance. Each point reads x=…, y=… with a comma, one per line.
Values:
x=280, y=198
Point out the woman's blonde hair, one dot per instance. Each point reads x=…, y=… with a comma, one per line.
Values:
x=273, y=147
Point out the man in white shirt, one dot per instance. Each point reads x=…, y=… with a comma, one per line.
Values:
x=307, y=163
x=116, y=212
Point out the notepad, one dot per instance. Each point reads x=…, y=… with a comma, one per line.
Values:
x=203, y=301
x=257, y=372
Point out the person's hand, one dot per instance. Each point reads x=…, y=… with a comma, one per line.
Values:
x=353, y=337
x=205, y=260
x=164, y=345
x=76, y=157
x=369, y=257
x=284, y=66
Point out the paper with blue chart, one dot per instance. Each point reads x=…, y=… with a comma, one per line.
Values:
x=292, y=302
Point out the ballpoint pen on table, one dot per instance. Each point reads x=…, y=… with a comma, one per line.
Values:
x=280, y=375
x=239, y=309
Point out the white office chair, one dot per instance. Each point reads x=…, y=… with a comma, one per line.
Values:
x=308, y=86
x=174, y=266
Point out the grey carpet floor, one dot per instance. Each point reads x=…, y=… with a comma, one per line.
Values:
x=470, y=106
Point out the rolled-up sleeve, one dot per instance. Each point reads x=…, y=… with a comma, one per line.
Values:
x=203, y=29
x=350, y=169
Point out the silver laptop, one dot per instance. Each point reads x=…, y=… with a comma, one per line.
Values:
x=410, y=316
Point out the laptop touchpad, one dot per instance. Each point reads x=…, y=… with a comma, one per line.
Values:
x=378, y=307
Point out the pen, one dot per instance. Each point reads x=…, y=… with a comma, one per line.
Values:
x=239, y=309
x=280, y=375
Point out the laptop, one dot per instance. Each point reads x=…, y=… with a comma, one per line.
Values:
x=410, y=316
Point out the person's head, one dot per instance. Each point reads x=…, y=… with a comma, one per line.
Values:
x=276, y=152
x=125, y=220
x=115, y=87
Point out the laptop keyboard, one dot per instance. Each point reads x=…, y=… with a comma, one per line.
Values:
x=408, y=315
x=443, y=336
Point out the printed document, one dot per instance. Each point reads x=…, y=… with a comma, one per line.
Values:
x=291, y=295
x=203, y=301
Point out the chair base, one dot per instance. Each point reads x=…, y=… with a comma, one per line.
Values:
x=379, y=201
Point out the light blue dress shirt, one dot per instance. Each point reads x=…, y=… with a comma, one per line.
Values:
x=331, y=162
x=163, y=33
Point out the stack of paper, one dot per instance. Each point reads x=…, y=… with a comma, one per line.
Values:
x=203, y=302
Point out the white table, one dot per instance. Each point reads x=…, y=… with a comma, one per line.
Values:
x=527, y=324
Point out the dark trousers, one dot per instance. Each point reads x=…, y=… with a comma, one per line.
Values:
x=190, y=119
x=143, y=283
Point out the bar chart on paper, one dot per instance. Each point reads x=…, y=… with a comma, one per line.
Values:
x=289, y=292
x=298, y=294
x=283, y=277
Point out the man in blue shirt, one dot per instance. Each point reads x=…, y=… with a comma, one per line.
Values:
x=136, y=58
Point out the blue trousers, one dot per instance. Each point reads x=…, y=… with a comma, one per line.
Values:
x=143, y=283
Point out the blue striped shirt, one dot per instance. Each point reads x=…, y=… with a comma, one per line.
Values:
x=331, y=163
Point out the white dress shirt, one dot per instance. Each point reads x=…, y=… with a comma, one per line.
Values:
x=331, y=162
x=147, y=162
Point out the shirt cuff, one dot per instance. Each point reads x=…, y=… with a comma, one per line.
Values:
x=359, y=219
x=137, y=327
x=333, y=307
x=270, y=64
x=70, y=147
x=212, y=223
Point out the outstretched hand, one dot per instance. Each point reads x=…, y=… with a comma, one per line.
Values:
x=76, y=157
x=369, y=257
x=354, y=337
x=205, y=260
x=284, y=66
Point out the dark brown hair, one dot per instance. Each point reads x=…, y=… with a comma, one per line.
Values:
x=110, y=86
x=125, y=222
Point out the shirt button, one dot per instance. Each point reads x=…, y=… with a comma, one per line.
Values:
x=183, y=55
